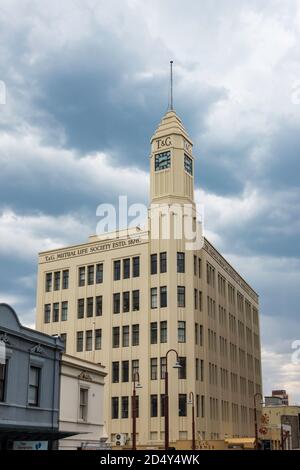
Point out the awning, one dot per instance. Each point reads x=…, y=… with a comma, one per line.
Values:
x=244, y=442
x=16, y=433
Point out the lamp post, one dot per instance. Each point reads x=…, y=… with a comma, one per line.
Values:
x=258, y=394
x=136, y=384
x=192, y=402
x=166, y=398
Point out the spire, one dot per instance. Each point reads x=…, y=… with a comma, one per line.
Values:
x=171, y=86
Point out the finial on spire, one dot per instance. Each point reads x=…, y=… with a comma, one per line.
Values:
x=171, y=85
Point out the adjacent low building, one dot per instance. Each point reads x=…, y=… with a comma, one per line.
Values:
x=281, y=428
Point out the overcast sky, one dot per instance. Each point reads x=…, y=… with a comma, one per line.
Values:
x=86, y=85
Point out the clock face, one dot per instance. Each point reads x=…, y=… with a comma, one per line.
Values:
x=162, y=160
x=188, y=164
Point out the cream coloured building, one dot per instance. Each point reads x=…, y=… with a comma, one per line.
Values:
x=125, y=300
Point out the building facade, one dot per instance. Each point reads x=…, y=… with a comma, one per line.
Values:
x=81, y=404
x=283, y=426
x=125, y=299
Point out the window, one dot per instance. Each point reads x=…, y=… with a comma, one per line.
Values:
x=125, y=371
x=98, y=339
x=163, y=262
x=115, y=407
x=63, y=337
x=124, y=407
x=153, y=406
x=83, y=404
x=81, y=276
x=57, y=280
x=135, y=300
x=116, y=337
x=79, y=347
x=48, y=283
x=181, y=332
x=126, y=268
x=135, y=335
x=64, y=311
x=163, y=297
x=2, y=381
x=154, y=264
x=153, y=368
x=117, y=270
x=180, y=296
x=80, y=308
x=182, y=404
x=134, y=369
x=195, y=299
x=162, y=160
x=99, y=273
x=180, y=262
x=34, y=386
x=89, y=340
x=188, y=164
x=136, y=266
x=116, y=302
x=163, y=332
x=182, y=369
x=47, y=313
x=153, y=333
x=115, y=372
x=195, y=265
x=125, y=336
x=56, y=312
x=98, y=305
x=154, y=297
x=126, y=302
x=65, y=279
x=163, y=366
x=89, y=306
x=162, y=405
x=90, y=275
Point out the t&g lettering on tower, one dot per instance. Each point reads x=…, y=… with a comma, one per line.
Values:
x=165, y=142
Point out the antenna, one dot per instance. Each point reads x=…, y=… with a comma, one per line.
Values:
x=171, y=85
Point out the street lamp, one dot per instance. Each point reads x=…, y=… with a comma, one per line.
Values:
x=136, y=385
x=258, y=394
x=166, y=398
x=192, y=402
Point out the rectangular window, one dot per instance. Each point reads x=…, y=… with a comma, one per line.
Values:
x=65, y=280
x=48, y=282
x=154, y=297
x=163, y=297
x=153, y=333
x=91, y=274
x=163, y=365
x=125, y=336
x=117, y=270
x=98, y=306
x=195, y=299
x=98, y=339
x=136, y=266
x=125, y=371
x=195, y=265
x=182, y=402
x=115, y=372
x=163, y=332
x=56, y=312
x=126, y=268
x=135, y=300
x=89, y=306
x=163, y=262
x=47, y=313
x=81, y=276
x=134, y=369
x=182, y=369
x=89, y=340
x=116, y=337
x=153, y=406
x=180, y=296
x=2, y=381
x=116, y=302
x=180, y=262
x=63, y=337
x=181, y=332
x=124, y=407
x=153, y=368
x=34, y=386
x=64, y=311
x=154, y=263
x=115, y=407
x=80, y=308
x=57, y=280
x=135, y=335
x=79, y=345
x=126, y=302
x=99, y=273
x=83, y=404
